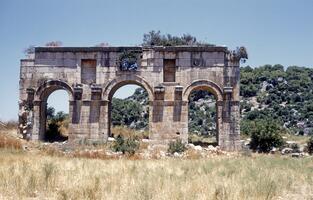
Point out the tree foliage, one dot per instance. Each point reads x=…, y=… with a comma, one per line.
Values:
x=283, y=94
x=265, y=134
x=132, y=111
x=57, y=125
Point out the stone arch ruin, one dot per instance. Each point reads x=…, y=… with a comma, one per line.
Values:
x=91, y=75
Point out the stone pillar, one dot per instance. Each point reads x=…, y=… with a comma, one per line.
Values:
x=156, y=113
x=169, y=117
x=234, y=136
x=220, y=137
x=36, y=121
x=230, y=138
x=94, y=113
x=75, y=113
x=104, y=120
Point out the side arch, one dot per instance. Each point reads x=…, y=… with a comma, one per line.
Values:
x=115, y=84
x=204, y=85
x=40, y=109
x=50, y=86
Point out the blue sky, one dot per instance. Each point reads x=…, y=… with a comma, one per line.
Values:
x=279, y=31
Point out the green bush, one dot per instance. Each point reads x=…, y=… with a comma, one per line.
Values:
x=295, y=148
x=176, y=146
x=265, y=134
x=310, y=145
x=128, y=145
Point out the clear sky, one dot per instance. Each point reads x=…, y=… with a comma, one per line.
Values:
x=274, y=31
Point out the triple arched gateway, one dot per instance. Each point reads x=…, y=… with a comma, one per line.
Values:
x=91, y=75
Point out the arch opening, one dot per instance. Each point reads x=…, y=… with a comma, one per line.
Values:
x=128, y=110
x=202, y=116
x=54, y=114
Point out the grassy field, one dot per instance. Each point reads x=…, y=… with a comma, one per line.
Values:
x=44, y=173
x=25, y=175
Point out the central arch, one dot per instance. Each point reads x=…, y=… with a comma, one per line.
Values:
x=204, y=85
x=126, y=79
x=123, y=80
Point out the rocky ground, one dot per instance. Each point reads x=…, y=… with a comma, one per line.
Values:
x=145, y=151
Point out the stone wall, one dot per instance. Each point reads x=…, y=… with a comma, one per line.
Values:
x=210, y=68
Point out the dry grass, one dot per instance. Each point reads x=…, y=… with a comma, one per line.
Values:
x=49, y=173
x=300, y=139
x=127, y=132
x=9, y=142
x=24, y=175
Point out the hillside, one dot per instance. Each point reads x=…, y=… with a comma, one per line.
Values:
x=267, y=92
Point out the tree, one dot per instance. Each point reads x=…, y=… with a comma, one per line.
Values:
x=50, y=113
x=265, y=134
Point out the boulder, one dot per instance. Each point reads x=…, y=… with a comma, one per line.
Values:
x=295, y=155
x=211, y=148
x=273, y=150
x=286, y=150
x=177, y=155
x=190, y=145
x=197, y=148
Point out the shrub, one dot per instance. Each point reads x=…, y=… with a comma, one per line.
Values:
x=295, y=148
x=176, y=146
x=265, y=134
x=310, y=145
x=128, y=145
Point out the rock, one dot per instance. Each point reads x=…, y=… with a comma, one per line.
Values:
x=190, y=145
x=295, y=155
x=198, y=148
x=163, y=154
x=273, y=150
x=211, y=148
x=176, y=154
x=290, y=142
x=286, y=151
x=145, y=140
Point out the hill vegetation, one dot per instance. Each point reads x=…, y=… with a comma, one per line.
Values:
x=272, y=93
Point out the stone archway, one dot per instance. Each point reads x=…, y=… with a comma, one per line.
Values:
x=115, y=84
x=40, y=105
x=122, y=80
x=214, y=89
x=204, y=85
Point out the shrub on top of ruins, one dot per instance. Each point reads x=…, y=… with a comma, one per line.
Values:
x=54, y=44
x=155, y=38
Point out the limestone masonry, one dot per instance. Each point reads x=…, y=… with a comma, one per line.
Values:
x=91, y=75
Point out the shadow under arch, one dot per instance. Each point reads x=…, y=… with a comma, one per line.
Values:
x=204, y=85
x=114, y=85
x=41, y=97
x=123, y=80
x=214, y=89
